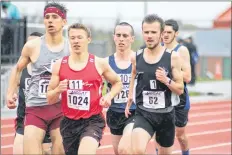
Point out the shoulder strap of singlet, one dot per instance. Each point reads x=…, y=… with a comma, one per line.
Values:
x=91, y=57
x=139, y=52
x=177, y=47
x=110, y=58
x=64, y=59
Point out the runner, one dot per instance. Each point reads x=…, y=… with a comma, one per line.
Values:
x=158, y=76
x=182, y=109
x=19, y=121
x=120, y=126
x=78, y=79
x=41, y=53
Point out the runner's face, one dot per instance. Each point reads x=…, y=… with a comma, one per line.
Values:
x=122, y=37
x=151, y=34
x=168, y=35
x=53, y=23
x=79, y=40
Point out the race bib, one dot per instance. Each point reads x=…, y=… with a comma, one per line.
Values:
x=122, y=97
x=125, y=78
x=153, y=84
x=78, y=99
x=153, y=99
x=43, y=86
x=75, y=84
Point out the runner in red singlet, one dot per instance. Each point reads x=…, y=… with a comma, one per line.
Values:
x=78, y=79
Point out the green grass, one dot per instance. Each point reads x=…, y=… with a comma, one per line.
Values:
x=191, y=93
x=209, y=80
x=104, y=89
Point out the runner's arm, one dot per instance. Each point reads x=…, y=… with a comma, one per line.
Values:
x=22, y=63
x=176, y=85
x=107, y=60
x=132, y=81
x=110, y=75
x=53, y=92
x=186, y=67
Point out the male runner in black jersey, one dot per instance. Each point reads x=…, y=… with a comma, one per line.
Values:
x=19, y=121
x=156, y=74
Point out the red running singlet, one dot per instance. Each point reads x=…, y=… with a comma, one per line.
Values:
x=82, y=98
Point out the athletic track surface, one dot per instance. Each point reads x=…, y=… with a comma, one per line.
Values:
x=209, y=131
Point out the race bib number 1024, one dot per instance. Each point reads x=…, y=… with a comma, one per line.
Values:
x=78, y=99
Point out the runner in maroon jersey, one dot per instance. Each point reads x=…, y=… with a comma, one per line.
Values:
x=78, y=79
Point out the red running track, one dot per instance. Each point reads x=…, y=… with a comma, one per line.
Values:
x=209, y=131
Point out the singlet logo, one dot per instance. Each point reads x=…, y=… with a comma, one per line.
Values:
x=64, y=61
x=87, y=84
x=91, y=60
x=49, y=66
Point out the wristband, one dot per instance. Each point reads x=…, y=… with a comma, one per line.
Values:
x=169, y=81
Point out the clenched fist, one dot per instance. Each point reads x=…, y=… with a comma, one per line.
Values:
x=63, y=86
x=105, y=101
x=11, y=101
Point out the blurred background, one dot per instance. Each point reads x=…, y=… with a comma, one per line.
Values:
x=207, y=24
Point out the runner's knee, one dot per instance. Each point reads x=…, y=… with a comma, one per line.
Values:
x=180, y=132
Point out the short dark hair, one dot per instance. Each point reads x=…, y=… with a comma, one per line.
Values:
x=173, y=23
x=80, y=26
x=38, y=34
x=151, y=18
x=57, y=5
x=125, y=24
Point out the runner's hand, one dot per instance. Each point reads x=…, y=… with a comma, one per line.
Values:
x=127, y=109
x=105, y=101
x=161, y=75
x=63, y=86
x=11, y=101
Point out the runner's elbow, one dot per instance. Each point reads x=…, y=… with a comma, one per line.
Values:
x=187, y=79
x=180, y=90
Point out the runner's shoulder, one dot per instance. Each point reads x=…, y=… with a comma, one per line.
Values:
x=33, y=43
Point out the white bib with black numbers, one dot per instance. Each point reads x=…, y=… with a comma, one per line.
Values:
x=153, y=99
x=122, y=97
x=78, y=98
x=43, y=86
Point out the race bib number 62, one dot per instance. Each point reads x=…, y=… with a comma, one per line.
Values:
x=153, y=99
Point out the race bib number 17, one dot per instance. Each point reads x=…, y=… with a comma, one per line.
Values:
x=43, y=86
